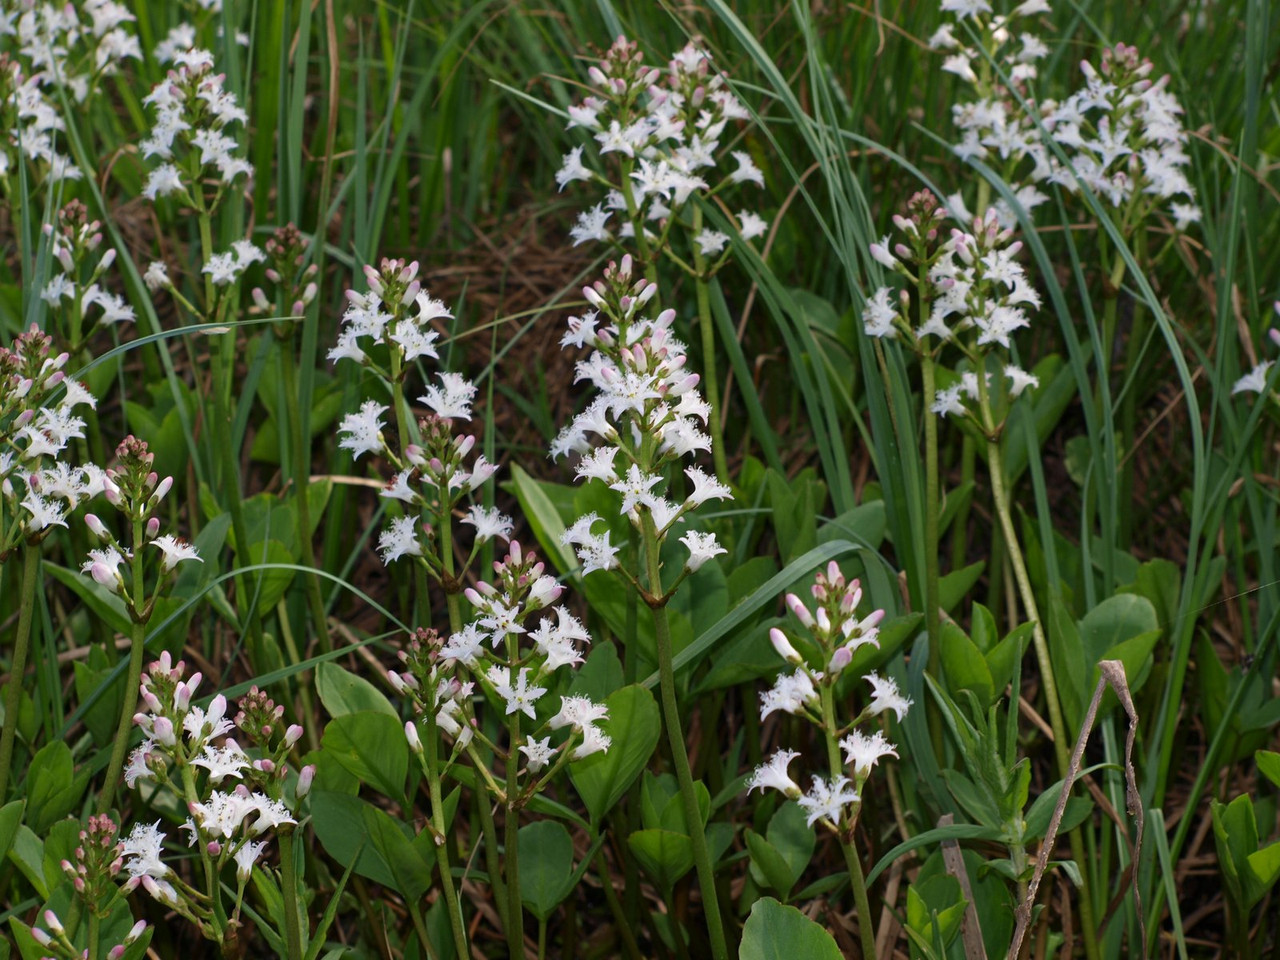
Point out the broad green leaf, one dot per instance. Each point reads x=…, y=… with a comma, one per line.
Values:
x=269, y=585
x=543, y=518
x=546, y=866
x=1264, y=870
x=1114, y=620
x=778, y=932
x=955, y=585
x=371, y=746
x=10, y=818
x=27, y=854
x=664, y=855
x=53, y=789
x=1269, y=765
x=359, y=835
x=963, y=666
x=768, y=867
x=602, y=778
x=342, y=692
x=600, y=675
x=1041, y=812
x=792, y=837
x=102, y=602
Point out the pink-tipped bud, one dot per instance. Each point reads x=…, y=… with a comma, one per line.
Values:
x=153, y=528
x=292, y=735
x=213, y=848
x=840, y=659
x=97, y=527
x=783, y=646
x=162, y=730
x=411, y=734
x=52, y=922
x=305, y=777
x=40, y=937
x=801, y=612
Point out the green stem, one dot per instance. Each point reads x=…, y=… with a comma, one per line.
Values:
x=94, y=923
x=932, y=598
x=511, y=873
x=137, y=639
x=679, y=755
x=1000, y=495
x=709, y=381
x=289, y=890
x=18, y=666
x=420, y=925
x=491, y=861
x=442, y=849
x=856, y=879
x=301, y=457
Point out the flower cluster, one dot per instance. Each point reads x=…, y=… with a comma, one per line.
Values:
x=648, y=414
x=974, y=294
x=136, y=491
x=395, y=318
x=665, y=130
x=225, y=825
x=514, y=661
x=74, y=243
x=37, y=423
x=193, y=112
x=67, y=46
x=438, y=471
x=1121, y=131
x=833, y=634
x=286, y=252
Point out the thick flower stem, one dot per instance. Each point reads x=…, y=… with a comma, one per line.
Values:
x=18, y=666
x=289, y=891
x=442, y=848
x=511, y=870
x=856, y=878
x=714, y=422
x=137, y=638
x=489, y=832
x=300, y=454
x=679, y=755
x=1000, y=494
x=932, y=598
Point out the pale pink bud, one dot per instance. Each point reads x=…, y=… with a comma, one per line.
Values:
x=411, y=734
x=97, y=527
x=293, y=734
x=783, y=646
x=153, y=528
x=305, y=776
x=801, y=612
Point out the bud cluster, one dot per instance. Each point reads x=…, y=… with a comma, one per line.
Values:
x=186, y=744
x=73, y=242
x=136, y=491
x=971, y=288
x=514, y=662
x=396, y=316
x=288, y=271
x=832, y=634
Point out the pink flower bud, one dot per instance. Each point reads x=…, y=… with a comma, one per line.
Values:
x=153, y=528
x=783, y=646
x=305, y=776
x=293, y=734
x=801, y=612
x=411, y=734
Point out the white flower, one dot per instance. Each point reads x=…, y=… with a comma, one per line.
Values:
x=247, y=856
x=947, y=402
x=865, y=752
x=104, y=567
x=711, y=242
x=966, y=8
x=878, y=315
x=363, y=429
x=578, y=713
x=464, y=646
x=594, y=740
x=489, y=523
x=747, y=170
x=827, y=799
x=271, y=813
x=222, y=269
x=790, y=693
x=635, y=488
x=538, y=753
x=1020, y=380
x=705, y=487
x=157, y=276
x=751, y=225
x=572, y=169
x=162, y=181
x=44, y=513
x=137, y=768
x=702, y=547
x=885, y=696
x=141, y=850
x=774, y=775
x=1255, y=381
x=175, y=550
x=399, y=539
x=221, y=762
x=520, y=697
x=453, y=402
x=1184, y=214
x=591, y=225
